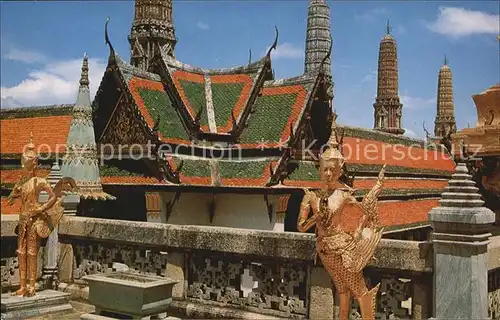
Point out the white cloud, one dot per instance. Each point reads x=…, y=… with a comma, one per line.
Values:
x=202, y=25
x=371, y=15
x=416, y=102
x=410, y=133
x=458, y=22
x=371, y=76
x=25, y=56
x=286, y=50
x=54, y=83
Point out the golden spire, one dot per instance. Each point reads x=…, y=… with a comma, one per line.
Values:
x=332, y=146
x=29, y=152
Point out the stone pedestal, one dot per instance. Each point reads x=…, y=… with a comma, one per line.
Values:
x=44, y=302
x=460, y=241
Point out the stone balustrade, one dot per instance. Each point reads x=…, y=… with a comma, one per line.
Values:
x=261, y=272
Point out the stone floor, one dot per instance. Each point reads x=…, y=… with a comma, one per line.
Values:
x=79, y=308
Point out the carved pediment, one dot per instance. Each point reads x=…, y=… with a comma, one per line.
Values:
x=125, y=128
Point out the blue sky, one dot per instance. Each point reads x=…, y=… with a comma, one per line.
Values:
x=43, y=43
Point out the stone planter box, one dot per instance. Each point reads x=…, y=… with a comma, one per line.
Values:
x=131, y=294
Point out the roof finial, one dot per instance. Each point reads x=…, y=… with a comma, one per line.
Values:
x=84, y=78
x=275, y=43
x=328, y=54
x=106, y=39
x=388, y=27
x=445, y=60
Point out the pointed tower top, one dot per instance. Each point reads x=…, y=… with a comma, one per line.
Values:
x=84, y=78
x=81, y=162
x=388, y=27
x=445, y=60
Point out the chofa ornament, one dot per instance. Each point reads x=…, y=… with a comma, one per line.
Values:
x=36, y=220
x=344, y=254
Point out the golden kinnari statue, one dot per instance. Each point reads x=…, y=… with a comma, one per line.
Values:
x=344, y=254
x=36, y=221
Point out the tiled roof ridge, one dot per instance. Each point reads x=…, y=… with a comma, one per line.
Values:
x=252, y=67
x=9, y=113
x=381, y=133
x=307, y=78
x=137, y=72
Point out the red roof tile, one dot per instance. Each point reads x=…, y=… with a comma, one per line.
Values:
x=14, y=175
x=10, y=209
x=49, y=134
x=392, y=213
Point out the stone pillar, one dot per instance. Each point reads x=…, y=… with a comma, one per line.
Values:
x=460, y=239
x=322, y=301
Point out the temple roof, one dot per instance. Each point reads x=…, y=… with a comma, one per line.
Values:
x=49, y=125
x=238, y=104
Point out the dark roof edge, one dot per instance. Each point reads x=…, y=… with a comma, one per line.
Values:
x=252, y=67
x=308, y=78
x=36, y=111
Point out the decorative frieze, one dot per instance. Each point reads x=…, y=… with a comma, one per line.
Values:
x=95, y=257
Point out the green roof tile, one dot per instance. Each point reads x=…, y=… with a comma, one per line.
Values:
x=224, y=97
x=158, y=104
x=193, y=167
x=269, y=119
x=246, y=169
x=306, y=171
x=195, y=93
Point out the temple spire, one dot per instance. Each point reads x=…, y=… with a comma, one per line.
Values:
x=388, y=108
x=80, y=161
x=84, y=78
x=152, y=31
x=319, y=42
x=444, y=123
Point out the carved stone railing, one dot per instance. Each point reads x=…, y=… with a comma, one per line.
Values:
x=264, y=272
x=9, y=265
x=494, y=294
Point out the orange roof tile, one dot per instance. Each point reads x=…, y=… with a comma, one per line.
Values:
x=376, y=152
x=10, y=209
x=388, y=184
x=134, y=180
x=392, y=213
x=49, y=134
x=14, y=175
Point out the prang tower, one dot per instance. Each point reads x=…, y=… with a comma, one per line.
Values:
x=444, y=123
x=388, y=108
x=152, y=30
x=318, y=39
